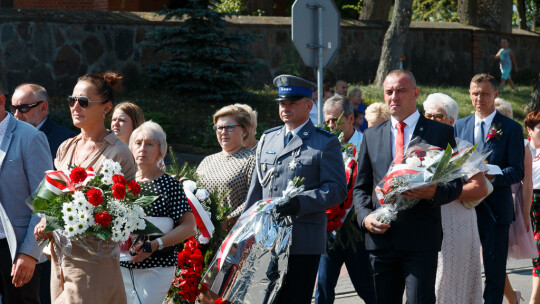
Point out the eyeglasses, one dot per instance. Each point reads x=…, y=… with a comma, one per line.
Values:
x=228, y=128
x=437, y=117
x=25, y=108
x=83, y=101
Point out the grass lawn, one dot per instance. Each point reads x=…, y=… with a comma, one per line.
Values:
x=188, y=124
x=518, y=100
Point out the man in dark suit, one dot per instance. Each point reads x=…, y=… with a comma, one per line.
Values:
x=300, y=149
x=403, y=253
x=504, y=137
x=30, y=103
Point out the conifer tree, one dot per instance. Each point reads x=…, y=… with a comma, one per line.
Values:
x=206, y=63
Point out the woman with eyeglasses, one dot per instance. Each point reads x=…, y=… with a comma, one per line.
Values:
x=231, y=169
x=83, y=275
x=459, y=277
x=126, y=117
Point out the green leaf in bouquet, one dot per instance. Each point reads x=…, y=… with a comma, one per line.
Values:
x=146, y=200
x=53, y=223
x=298, y=181
x=149, y=229
x=442, y=164
x=100, y=232
x=40, y=204
x=461, y=159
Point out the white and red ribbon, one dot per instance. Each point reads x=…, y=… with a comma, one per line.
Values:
x=204, y=223
x=59, y=181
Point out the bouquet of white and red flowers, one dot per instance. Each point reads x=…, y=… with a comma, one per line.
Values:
x=79, y=202
x=423, y=165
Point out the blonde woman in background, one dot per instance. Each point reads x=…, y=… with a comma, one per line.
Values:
x=376, y=113
x=231, y=168
x=127, y=117
x=250, y=141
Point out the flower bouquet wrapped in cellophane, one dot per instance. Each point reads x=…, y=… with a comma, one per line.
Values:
x=95, y=211
x=424, y=165
x=252, y=261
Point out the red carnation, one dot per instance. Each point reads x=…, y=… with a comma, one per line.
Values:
x=95, y=197
x=103, y=218
x=134, y=187
x=77, y=175
x=119, y=179
x=119, y=191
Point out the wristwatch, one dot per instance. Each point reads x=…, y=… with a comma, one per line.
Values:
x=160, y=242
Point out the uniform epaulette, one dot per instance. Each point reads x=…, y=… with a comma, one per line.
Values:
x=273, y=129
x=325, y=132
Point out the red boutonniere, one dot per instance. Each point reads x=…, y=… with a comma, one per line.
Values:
x=494, y=133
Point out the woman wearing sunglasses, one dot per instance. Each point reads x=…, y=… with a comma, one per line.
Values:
x=231, y=168
x=82, y=275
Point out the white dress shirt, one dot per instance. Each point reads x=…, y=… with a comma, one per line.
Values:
x=297, y=129
x=410, y=122
x=487, y=124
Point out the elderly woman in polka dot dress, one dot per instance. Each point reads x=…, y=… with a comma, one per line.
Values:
x=230, y=169
x=148, y=275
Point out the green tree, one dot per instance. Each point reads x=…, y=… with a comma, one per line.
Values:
x=435, y=10
x=205, y=62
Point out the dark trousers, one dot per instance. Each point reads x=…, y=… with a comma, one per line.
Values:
x=299, y=280
x=494, y=239
x=45, y=283
x=413, y=271
x=28, y=293
x=358, y=266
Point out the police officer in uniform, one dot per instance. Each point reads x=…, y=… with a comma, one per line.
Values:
x=300, y=149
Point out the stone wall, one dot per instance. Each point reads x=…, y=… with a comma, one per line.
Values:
x=53, y=48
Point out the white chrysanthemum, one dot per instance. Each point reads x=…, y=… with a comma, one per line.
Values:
x=189, y=185
x=202, y=194
x=71, y=230
x=428, y=161
x=203, y=240
x=139, y=211
x=78, y=196
x=70, y=218
x=413, y=161
x=69, y=207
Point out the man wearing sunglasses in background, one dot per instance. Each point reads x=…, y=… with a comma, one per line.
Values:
x=24, y=158
x=30, y=103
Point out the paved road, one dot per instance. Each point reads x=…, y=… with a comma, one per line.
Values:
x=519, y=272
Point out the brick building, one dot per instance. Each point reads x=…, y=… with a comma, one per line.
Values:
x=89, y=5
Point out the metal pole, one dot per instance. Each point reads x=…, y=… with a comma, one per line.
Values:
x=320, y=101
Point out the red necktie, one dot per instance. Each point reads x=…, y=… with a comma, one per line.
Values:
x=400, y=142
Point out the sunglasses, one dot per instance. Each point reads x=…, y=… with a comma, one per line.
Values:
x=25, y=108
x=83, y=101
x=228, y=128
x=437, y=117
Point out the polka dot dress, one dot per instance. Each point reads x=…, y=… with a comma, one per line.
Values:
x=172, y=202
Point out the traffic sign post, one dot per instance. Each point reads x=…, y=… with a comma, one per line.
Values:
x=316, y=36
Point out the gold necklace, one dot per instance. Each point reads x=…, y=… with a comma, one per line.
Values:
x=76, y=156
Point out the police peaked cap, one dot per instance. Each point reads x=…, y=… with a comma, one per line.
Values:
x=293, y=88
